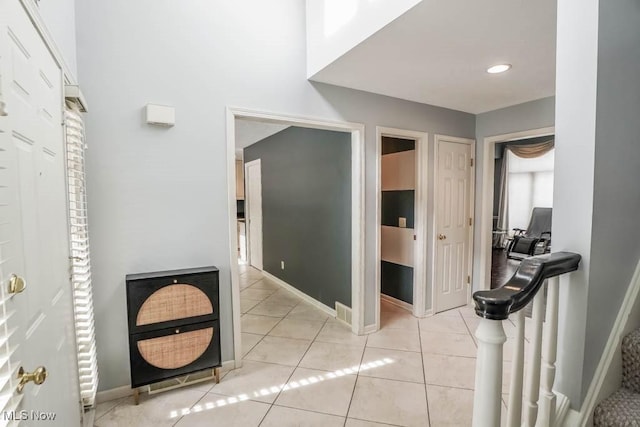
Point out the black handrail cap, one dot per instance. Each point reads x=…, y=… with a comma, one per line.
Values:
x=520, y=290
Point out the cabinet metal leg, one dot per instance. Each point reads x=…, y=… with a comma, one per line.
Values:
x=216, y=372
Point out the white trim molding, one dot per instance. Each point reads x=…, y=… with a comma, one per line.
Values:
x=126, y=390
x=420, y=226
x=357, y=208
x=486, y=196
x=397, y=302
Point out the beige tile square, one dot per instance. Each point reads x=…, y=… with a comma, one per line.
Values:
x=255, y=380
x=284, y=297
x=334, y=331
x=444, y=324
x=260, y=325
x=388, y=401
x=331, y=356
x=398, y=365
x=156, y=410
x=246, y=282
x=448, y=344
x=249, y=341
x=468, y=311
x=247, y=304
x=450, y=407
x=104, y=407
x=269, y=309
x=352, y=422
x=284, y=351
x=395, y=339
x=450, y=371
x=252, y=273
x=305, y=311
x=266, y=284
x=393, y=320
x=300, y=329
x=280, y=416
x=318, y=391
x=219, y=411
x=256, y=294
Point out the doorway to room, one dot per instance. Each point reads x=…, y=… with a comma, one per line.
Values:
x=523, y=183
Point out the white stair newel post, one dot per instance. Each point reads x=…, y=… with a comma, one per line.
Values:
x=533, y=372
x=487, y=398
x=514, y=413
x=547, y=402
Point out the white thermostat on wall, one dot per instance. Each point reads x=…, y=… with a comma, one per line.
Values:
x=160, y=115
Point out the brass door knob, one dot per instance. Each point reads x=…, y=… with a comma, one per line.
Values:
x=441, y=237
x=16, y=284
x=38, y=376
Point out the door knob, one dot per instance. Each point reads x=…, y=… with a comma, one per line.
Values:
x=38, y=376
x=441, y=237
x=16, y=284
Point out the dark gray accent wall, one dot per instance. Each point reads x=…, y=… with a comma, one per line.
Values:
x=396, y=145
x=306, y=210
x=396, y=204
x=397, y=281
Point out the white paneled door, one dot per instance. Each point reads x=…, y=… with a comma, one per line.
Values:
x=453, y=222
x=253, y=209
x=38, y=322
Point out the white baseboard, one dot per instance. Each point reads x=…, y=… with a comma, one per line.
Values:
x=330, y=311
x=369, y=329
x=601, y=378
x=126, y=390
x=397, y=302
x=562, y=408
x=428, y=313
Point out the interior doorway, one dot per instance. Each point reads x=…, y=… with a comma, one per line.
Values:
x=354, y=204
x=522, y=204
x=489, y=194
x=253, y=212
x=402, y=214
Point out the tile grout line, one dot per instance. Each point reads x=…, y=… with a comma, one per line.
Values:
x=424, y=374
x=294, y=370
x=353, y=392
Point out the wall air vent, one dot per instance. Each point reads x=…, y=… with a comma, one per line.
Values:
x=343, y=313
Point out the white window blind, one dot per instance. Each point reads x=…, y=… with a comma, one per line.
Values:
x=80, y=256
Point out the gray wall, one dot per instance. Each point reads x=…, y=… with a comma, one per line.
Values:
x=615, y=248
x=306, y=210
x=158, y=197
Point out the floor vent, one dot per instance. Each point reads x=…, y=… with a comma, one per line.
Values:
x=343, y=313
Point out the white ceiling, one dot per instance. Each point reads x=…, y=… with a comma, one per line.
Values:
x=438, y=52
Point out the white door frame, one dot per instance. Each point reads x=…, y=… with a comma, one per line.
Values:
x=486, y=197
x=357, y=209
x=420, y=212
x=247, y=209
x=472, y=143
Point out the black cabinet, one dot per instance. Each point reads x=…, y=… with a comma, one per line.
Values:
x=174, y=324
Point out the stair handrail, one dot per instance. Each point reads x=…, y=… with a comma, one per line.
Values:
x=494, y=306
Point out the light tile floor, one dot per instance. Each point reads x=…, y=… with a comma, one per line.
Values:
x=302, y=368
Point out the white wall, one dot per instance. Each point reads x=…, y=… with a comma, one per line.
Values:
x=158, y=197
x=576, y=62
x=59, y=17
x=336, y=26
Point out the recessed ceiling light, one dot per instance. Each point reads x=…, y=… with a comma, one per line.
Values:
x=501, y=68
